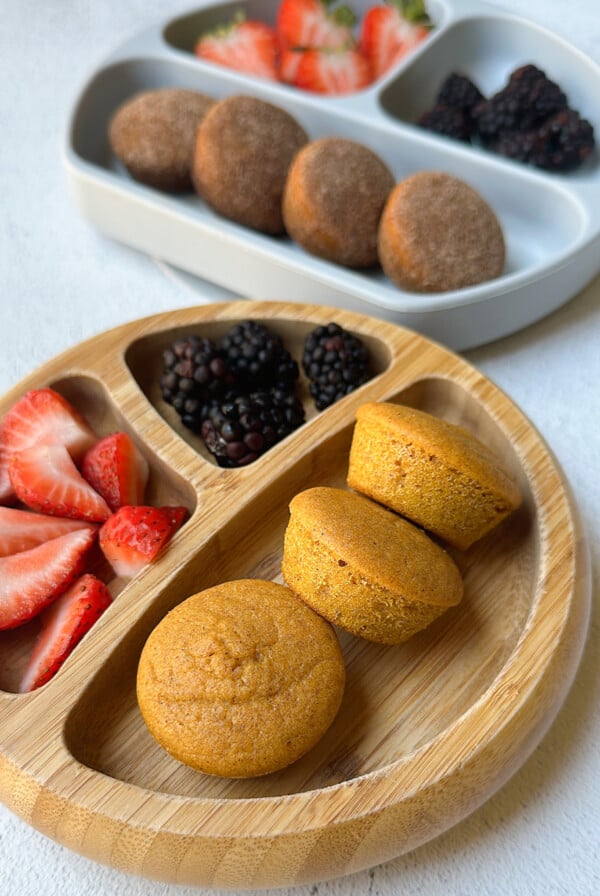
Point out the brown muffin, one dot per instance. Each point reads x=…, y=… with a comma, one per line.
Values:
x=437, y=233
x=333, y=199
x=365, y=569
x=154, y=134
x=243, y=152
x=241, y=679
x=433, y=472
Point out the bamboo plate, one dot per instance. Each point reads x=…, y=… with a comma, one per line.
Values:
x=426, y=732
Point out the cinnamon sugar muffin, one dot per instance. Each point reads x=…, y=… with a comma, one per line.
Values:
x=243, y=152
x=154, y=134
x=333, y=199
x=437, y=233
x=240, y=679
x=433, y=472
x=364, y=568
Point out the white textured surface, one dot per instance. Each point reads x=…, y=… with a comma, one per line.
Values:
x=61, y=282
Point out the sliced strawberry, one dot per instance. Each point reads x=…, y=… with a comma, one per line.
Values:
x=63, y=626
x=289, y=60
x=246, y=46
x=391, y=31
x=32, y=579
x=40, y=417
x=312, y=24
x=46, y=479
x=333, y=72
x=21, y=530
x=133, y=536
x=117, y=470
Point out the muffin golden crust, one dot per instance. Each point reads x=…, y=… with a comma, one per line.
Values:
x=240, y=679
x=364, y=568
x=437, y=233
x=154, y=135
x=433, y=472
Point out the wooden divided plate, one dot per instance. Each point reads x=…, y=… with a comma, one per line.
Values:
x=427, y=730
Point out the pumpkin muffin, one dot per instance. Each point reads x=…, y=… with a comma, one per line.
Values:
x=364, y=568
x=435, y=473
x=240, y=679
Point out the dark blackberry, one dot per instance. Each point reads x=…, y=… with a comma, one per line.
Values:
x=459, y=92
x=239, y=430
x=336, y=362
x=258, y=357
x=562, y=143
x=523, y=104
x=447, y=121
x=194, y=371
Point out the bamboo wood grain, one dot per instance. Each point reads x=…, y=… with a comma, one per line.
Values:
x=427, y=731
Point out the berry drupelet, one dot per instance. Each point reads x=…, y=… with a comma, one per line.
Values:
x=194, y=371
x=336, y=362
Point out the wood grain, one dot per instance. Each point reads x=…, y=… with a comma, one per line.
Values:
x=427, y=730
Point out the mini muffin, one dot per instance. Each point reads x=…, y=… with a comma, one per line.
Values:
x=435, y=473
x=437, y=233
x=241, y=679
x=154, y=134
x=364, y=568
x=333, y=199
x=243, y=152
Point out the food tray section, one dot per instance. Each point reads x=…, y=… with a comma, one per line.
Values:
x=411, y=751
x=550, y=221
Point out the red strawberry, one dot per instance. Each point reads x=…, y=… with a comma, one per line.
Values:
x=310, y=24
x=46, y=479
x=32, y=579
x=289, y=60
x=21, y=530
x=390, y=32
x=40, y=417
x=333, y=72
x=63, y=625
x=117, y=470
x=133, y=536
x=246, y=46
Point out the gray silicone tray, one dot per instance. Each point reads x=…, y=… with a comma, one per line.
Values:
x=551, y=221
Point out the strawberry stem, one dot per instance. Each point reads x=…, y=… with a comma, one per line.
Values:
x=413, y=11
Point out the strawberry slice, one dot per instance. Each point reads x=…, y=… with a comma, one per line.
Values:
x=312, y=24
x=40, y=417
x=391, y=31
x=32, y=579
x=244, y=45
x=63, y=626
x=21, y=530
x=333, y=72
x=117, y=470
x=133, y=536
x=45, y=478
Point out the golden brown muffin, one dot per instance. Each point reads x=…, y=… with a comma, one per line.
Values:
x=333, y=199
x=241, y=679
x=365, y=569
x=154, y=134
x=437, y=233
x=243, y=152
x=431, y=471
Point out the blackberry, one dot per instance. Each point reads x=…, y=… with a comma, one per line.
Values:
x=239, y=430
x=194, y=371
x=459, y=92
x=336, y=362
x=447, y=121
x=561, y=143
x=258, y=357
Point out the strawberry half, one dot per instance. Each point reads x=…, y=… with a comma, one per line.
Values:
x=63, y=626
x=40, y=417
x=133, y=536
x=333, y=72
x=21, y=530
x=312, y=24
x=246, y=46
x=46, y=479
x=391, y=31
x=32, y=579
x=117, y=470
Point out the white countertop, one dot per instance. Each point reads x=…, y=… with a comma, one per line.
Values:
x=60, y=282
